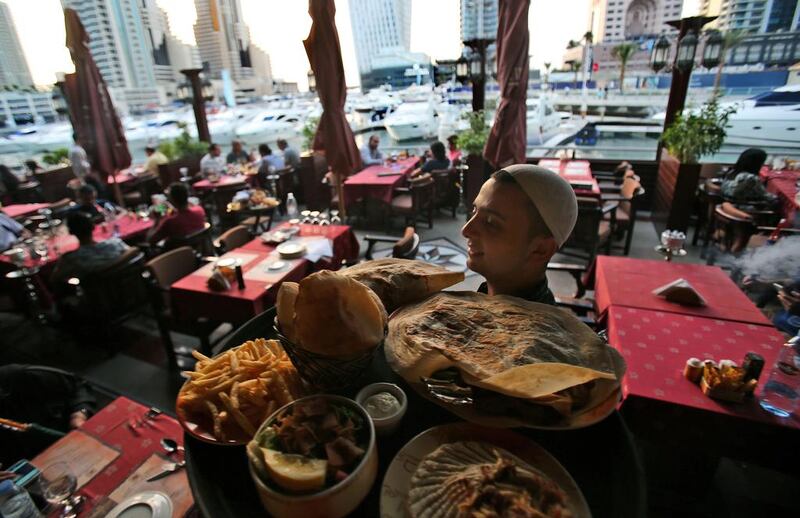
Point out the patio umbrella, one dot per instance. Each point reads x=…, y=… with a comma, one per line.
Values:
x=334, y=136
x=91, y=112
x=507, y=139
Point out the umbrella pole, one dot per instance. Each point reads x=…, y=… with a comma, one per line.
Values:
x=117, y=191
x=340, y=193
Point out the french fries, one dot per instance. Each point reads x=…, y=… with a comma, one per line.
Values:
x=236, y=390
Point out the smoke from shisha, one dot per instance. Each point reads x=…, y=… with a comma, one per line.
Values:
x=779, y=261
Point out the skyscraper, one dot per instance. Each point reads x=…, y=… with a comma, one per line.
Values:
x=478, y=19
x=618, y=20
x=379, y=26
x=753, y=15
x=223, y=39
x=13, y=67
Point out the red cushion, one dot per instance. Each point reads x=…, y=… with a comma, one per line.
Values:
x=403, y=202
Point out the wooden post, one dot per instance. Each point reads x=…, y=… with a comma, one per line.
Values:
x=117, y=190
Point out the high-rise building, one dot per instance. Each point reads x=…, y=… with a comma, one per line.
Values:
x=379, y=25
x=223, y=40
x=478, y=19
x=13, y=67
x=618, y=20
x=757, y=16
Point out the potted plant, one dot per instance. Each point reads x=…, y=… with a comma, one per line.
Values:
x=472, y=142
x=693, y=134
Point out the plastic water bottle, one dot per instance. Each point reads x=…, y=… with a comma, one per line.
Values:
x=291, y=206
x=15, y=502
x=780, y=393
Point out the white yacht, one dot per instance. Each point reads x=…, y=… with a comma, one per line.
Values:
x=542, y=120
x=271, y=124
x=412, y=120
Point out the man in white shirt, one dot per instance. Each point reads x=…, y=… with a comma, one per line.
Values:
x=79, y=159
x=290, y=156
x=370, y=154
x=268, y=160
x=212, y=162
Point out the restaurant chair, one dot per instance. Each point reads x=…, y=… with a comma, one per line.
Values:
x=232, y=238
x=405, y=247
x=593, y=229
x=220, y=198
x=415, y=201
x=731, y=232
x=628, y=201
x=446, y=187
x=582, y=307
x=286, y=183
x=106, y=298
x=28, y=192
x=199, y=241
x=708, y=197
x=159, y=274
x=53, y=183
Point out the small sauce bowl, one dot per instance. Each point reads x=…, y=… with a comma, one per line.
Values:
x=384, y=425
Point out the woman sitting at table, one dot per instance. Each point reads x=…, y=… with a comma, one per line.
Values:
x=90, y=256
x=751, y=161
x=185, y=220
x=521, y=217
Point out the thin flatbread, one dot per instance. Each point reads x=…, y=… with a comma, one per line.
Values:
x=398, y=282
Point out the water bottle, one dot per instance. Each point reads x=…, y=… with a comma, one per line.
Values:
x=291, y=206
x=779, y=395
x=15, y=502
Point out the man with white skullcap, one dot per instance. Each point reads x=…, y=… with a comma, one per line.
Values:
x=522, y=216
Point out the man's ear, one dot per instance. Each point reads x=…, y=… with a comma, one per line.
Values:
x=541, y=249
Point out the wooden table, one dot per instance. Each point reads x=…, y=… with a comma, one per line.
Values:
x=577, y=172
x=224, y=181
x=378, y=181
x=115, y=452
x=628, y=282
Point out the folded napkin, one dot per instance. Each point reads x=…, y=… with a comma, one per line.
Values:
x=680, y=292
x=218, y=282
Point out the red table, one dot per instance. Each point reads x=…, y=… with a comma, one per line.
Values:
x=783, y=184
x=378, y=181
x=131, y=175
x=656, y=345
x=131, y=230
x=345, y=243
x=623, y=281
x=23, y=210
x=112, y=458
x=576, y=172
x=224, y=181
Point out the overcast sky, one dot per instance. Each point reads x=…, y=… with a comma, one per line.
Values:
x=279, y=27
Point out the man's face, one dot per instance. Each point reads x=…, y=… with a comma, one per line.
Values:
x=87, y=198
x=216, y=151
x=373, y=142
x=499, y=243
x=281, y=145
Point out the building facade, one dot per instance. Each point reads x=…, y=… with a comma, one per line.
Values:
x=14, y=71
x=478, y=19
x=618, y=20
x=756, y=16
x=379, y=26
x=20, y=108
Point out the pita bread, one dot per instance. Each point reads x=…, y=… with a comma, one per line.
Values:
x=503, y=344
x=287, y=296
x=402, y=281
x=337, y=316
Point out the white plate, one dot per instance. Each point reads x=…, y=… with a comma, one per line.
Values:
x=397, y=481
x=150, y=504
x=291, y=250
x=276, y=265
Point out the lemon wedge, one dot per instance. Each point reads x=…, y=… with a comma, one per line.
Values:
x=295, y=472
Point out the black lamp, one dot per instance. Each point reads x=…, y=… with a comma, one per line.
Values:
x=312, y=81
x=712, y=52
x=462, y=67
x=660, y=54
x=208, y=91
x=184, y=92
x=475, y=64
x=686, y=51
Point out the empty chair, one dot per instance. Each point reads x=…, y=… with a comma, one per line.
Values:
x=160, y=273
x=591, y=229
x=233, y=238
x=405, y=247
x=446, y=186
x=199, y=241
x=416, y=200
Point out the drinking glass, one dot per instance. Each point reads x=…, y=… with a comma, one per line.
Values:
x=323, y=219
x=306, y=216
x=58, y=483
x=40, y=249
x=335, y=219
x=315, y=217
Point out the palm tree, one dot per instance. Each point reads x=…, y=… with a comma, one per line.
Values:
x=730, y=40
x=623, y=53
x=588, y=37
x=572, y=44
x=575, y=65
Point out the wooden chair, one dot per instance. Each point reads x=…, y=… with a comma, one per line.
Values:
x=405, y=247
x=28, y=192
x=628, y=200
x=708, y=197
x=736, y=231
x=446, y=187
x=171, y=171
x=160, y=273
x=199, y=241
x=582, y=307
x=418, y=199
x=232, y=238
x=592, y=229
x=53, y=183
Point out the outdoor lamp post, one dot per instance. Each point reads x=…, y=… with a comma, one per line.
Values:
x=477, y=66
x=208, y=91
x=686, y=52
x=462, y=68
x=199, y=91
x=712, y=52
x=59, y=102
x=312, y=81
x=660, y=55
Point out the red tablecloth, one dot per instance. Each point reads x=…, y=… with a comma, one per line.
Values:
x=224, y=181
x=656, y=345
x=784, y=185
x=345, y=242
x=368, y=183
x=23, y=210
x=135, y=446
x=623, y=281
x=576, y=172
x=127, y=176
x=131, y=230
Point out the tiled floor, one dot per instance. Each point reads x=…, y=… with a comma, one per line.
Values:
x=138, y=369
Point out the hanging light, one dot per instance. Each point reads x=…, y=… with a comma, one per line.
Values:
x=184, y=92
x=462, y=67
x=475, y=65
x=686, y=51
x=312, y=81
x=712, y=52
x=208, y=91
x=660, y=55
